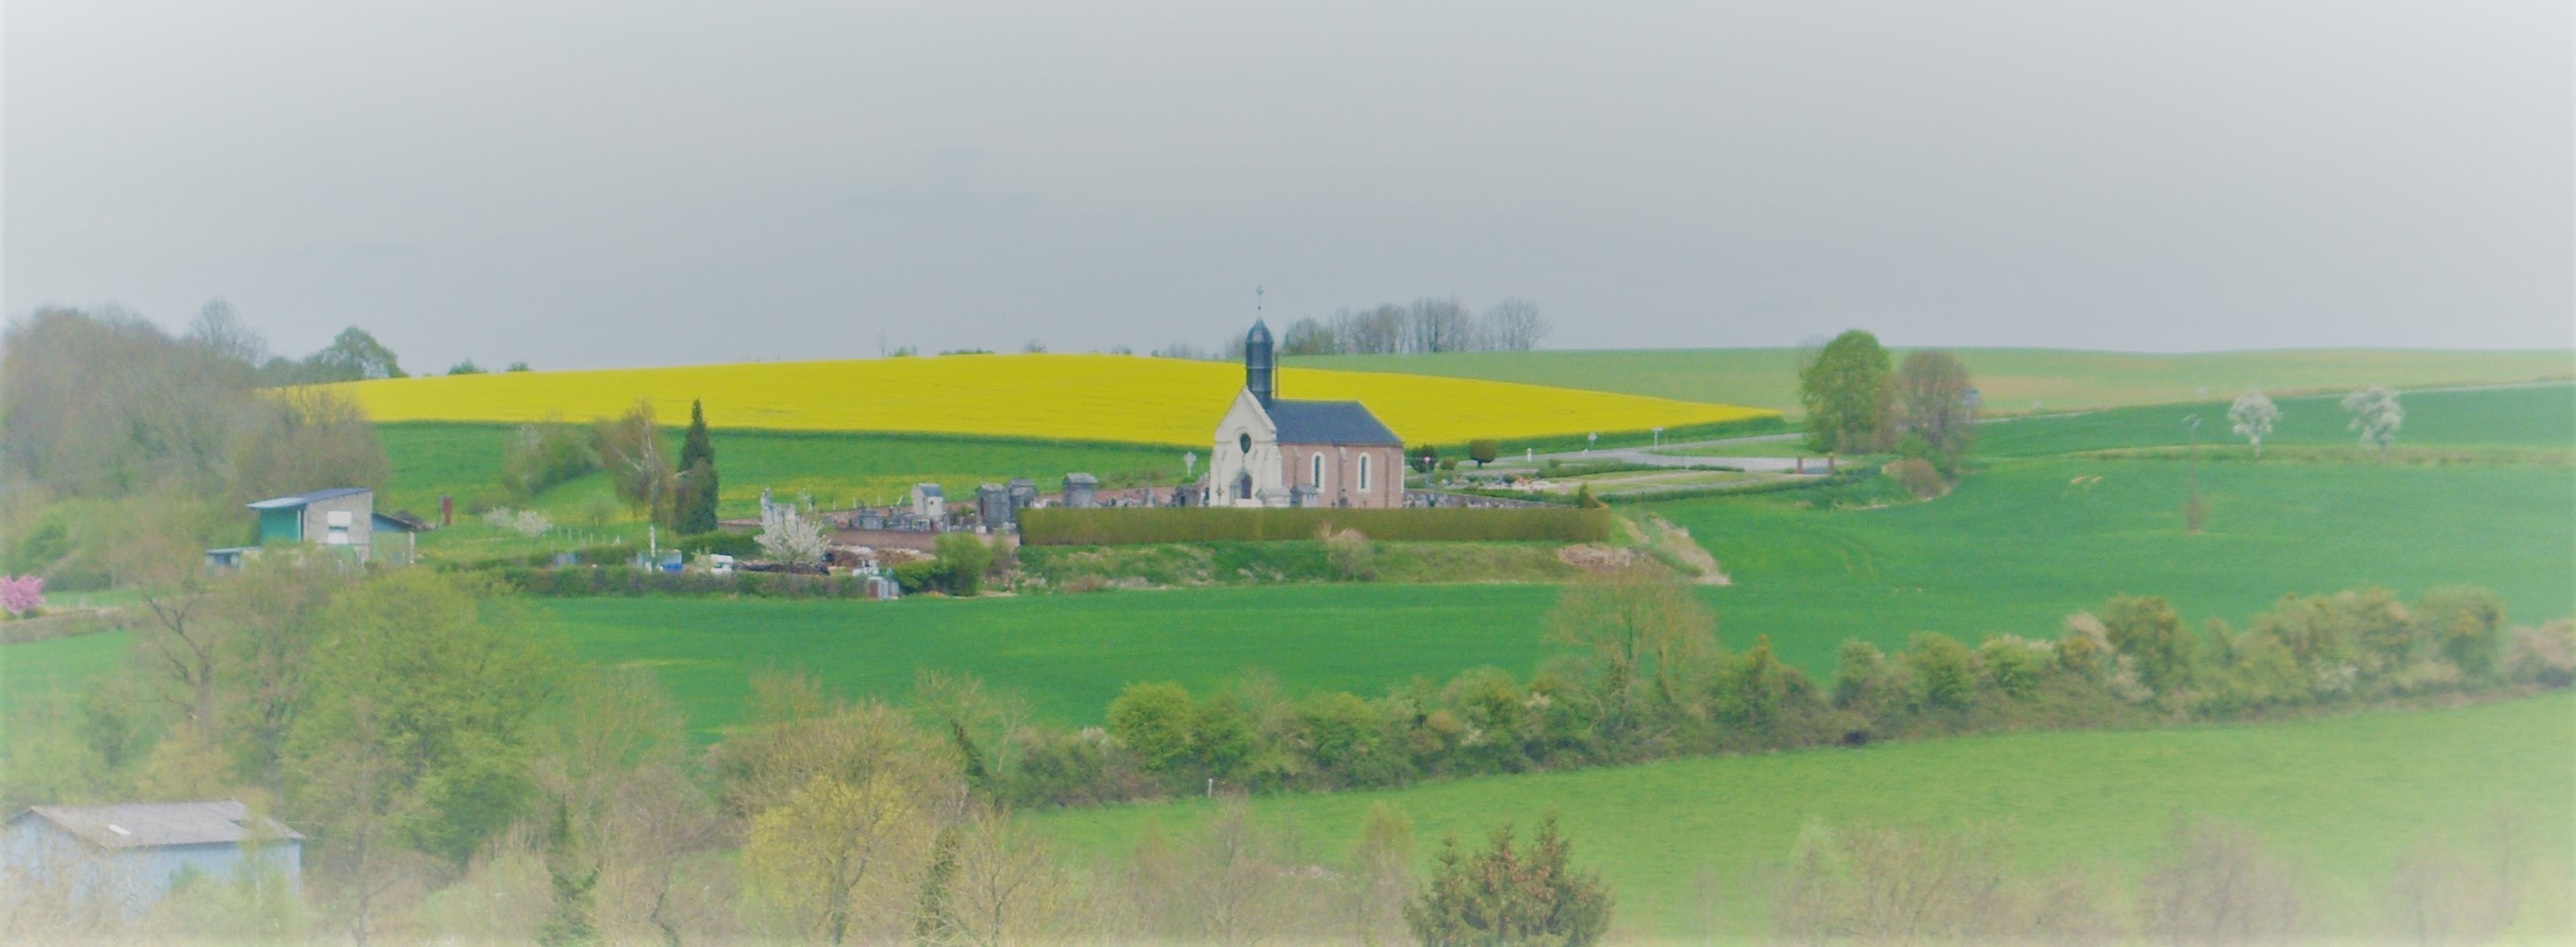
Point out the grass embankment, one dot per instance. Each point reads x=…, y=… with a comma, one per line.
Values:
x=1690, y=844
x=1108, y=398
x=2011, y=380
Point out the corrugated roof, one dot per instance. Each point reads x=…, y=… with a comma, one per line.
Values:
x=153, y=824
x=1328, y=422
x=300, y=499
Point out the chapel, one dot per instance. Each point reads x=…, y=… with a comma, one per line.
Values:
x=1271, y=451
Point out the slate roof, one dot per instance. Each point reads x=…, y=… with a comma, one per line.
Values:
x=400, y=522
x=1328, y=422
x=300, y=499
x=154, y=824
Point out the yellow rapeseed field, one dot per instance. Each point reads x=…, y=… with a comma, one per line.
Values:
x=1118, y=398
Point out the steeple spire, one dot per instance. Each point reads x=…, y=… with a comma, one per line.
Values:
x=1260, y=367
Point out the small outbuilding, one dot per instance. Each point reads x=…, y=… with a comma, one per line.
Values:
x=131, y=855
x=340, y=519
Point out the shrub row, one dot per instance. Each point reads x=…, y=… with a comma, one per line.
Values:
x=579, y=581
x=63, y=624
x=2134, y=665
x=1109, y=527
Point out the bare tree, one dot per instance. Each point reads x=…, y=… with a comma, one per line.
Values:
x=307, y=439
x=1379, y=331
x=221, y=330
x=185, y=640
x=1896, y=885
x=2220, y=886
x=1514, y=324
x=1238, y=886
x=1007, y=887
x=1379, y=877
x=1441, y=325
x=1931, y=394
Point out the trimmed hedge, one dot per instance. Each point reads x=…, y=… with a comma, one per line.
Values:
x=1111, y=527
x=591, y=581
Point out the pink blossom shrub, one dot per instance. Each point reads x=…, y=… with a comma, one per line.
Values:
x=21, y=594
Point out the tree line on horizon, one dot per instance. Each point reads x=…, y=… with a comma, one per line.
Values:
x=1431, y=324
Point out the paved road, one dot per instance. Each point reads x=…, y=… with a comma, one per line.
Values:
x=1647, y=457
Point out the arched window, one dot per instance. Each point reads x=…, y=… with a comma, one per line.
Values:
x=1364, y=472
x=1318, y=464
x=1243, y=485
x=1244, y=442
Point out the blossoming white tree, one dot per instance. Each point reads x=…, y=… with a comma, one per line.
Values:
x=788, y=538
x=2376, y=415
x=2254, y=415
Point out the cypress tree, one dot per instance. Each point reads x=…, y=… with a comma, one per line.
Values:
x=697, y=507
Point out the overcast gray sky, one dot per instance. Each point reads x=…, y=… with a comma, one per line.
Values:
x=618, y=183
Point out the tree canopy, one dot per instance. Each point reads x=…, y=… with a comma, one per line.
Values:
x=1844, y=389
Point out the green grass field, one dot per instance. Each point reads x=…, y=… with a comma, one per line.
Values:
x=1069, y=654
x=464, y=459
x=2013, y=550
x=2541, y=417
x=2341, y=798
x=2017, y=547
x=2012, y=380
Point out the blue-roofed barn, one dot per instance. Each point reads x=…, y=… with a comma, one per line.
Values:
x=1271, y=451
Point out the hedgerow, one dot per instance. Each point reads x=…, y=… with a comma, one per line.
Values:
x=1108, y=527
x=2351, y=649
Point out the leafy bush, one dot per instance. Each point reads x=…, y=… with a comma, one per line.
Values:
x=2146, y=629
x=2465, y=624
x=962, y=563
x=1353, y=558
x=1918, y=477
x=1154, y=721
x=1058, y=526
x=1944, y=668
x=2016, y=665
x=917, y=576
x=541, y=456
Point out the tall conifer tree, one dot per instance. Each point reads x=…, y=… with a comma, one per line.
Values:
x=698, y=486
